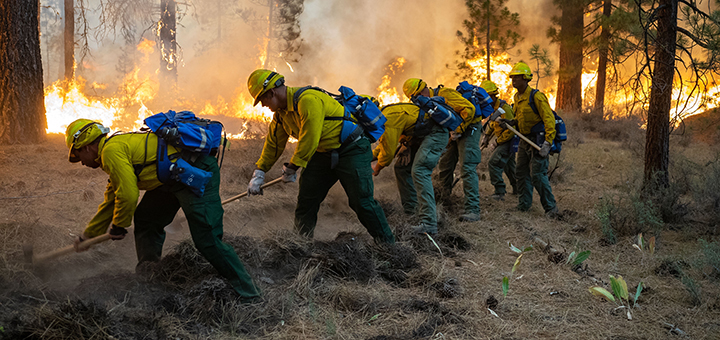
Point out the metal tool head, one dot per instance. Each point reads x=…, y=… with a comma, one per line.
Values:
x=497, y=114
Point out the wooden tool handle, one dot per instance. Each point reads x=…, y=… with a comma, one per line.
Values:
x=70, y=249
x=523, y=137
x=277, y=180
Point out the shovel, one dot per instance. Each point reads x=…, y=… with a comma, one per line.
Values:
x=33, y=259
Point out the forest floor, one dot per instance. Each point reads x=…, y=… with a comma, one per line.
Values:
x=342, y=286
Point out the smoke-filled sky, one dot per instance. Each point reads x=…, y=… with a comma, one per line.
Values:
x=344, y=43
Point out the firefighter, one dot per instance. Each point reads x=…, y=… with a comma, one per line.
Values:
x=421, y=142
x=532, y=165
x=499, y=142
x=130, y=159
x=463, y=146
x=319, y=151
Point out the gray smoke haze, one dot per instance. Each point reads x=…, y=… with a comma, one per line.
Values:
x=344, y=43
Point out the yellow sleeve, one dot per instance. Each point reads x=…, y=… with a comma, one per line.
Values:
x=312, y=118
x=99, y=224
x=275, y=142
x=505, y=135
x=546, y=115
x=462, y=106
x=387, y=145
x=116, y=162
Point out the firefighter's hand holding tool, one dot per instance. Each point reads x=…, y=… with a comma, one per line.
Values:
x=257, y=180
x=289, y=172
x=115, y=233
x=403, y=155
x=545, y=149
x=504, y=123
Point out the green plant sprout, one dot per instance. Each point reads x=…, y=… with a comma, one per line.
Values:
x=621, y=295
x=506, y=280
x=577, y=259
x=643, y=246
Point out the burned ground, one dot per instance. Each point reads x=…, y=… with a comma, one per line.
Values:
x=341, y=284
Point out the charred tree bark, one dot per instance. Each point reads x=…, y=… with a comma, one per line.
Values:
x=22, y=107
x=569, y=97
x=602, y=61
x=657, y=140
x=69, y=38
x=168, y=45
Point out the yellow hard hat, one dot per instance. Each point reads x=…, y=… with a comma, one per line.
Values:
x=489, y=86
x=82, y=132
x=521, y=69
x=261, y=80
x=413, y=87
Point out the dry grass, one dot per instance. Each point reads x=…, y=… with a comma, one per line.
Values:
x=342, y=286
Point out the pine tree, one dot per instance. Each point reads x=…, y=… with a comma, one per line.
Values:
x=488, y=32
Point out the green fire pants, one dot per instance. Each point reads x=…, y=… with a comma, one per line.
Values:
x=466, y=150
x=415, y=179
x=502, y=159
x=531, y=171
x=205, y=219
x=355, y=175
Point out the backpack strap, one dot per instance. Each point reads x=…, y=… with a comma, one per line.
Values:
x=353, y=137
x=137, y=168
x=531, y=101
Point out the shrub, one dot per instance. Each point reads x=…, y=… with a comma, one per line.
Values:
x=707, y=190
x=710, y=259
x=626, y=214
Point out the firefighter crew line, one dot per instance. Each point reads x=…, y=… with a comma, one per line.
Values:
x=441, y=127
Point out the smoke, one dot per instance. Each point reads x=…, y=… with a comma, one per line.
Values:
x=351, y=42
x=343, y=43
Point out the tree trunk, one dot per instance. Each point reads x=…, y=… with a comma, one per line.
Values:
x=69, y=38
x=602, y=61
x=569, y=96
x=168, y=46
x=271, y=5
x=22, y=107
x=657, y=140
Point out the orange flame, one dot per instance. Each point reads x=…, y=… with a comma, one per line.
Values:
x=387, y=94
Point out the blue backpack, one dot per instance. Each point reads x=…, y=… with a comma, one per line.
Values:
x=423, y=126
x=194, y=137
x=478, y=97
x=539, y=128
x=440, y=112
x=362, y=115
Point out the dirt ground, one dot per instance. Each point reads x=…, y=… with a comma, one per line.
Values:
x=340, y=285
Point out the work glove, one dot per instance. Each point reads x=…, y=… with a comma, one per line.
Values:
x=376, y=168
x=545, y=149
x=403, y=155
x=504, y=123
x=288, y=173
x=493, y=144
x=257, y=180
x=454, y=135
x=117, y=233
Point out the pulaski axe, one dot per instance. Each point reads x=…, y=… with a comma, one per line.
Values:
x=33, y=259
x=497, y=114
